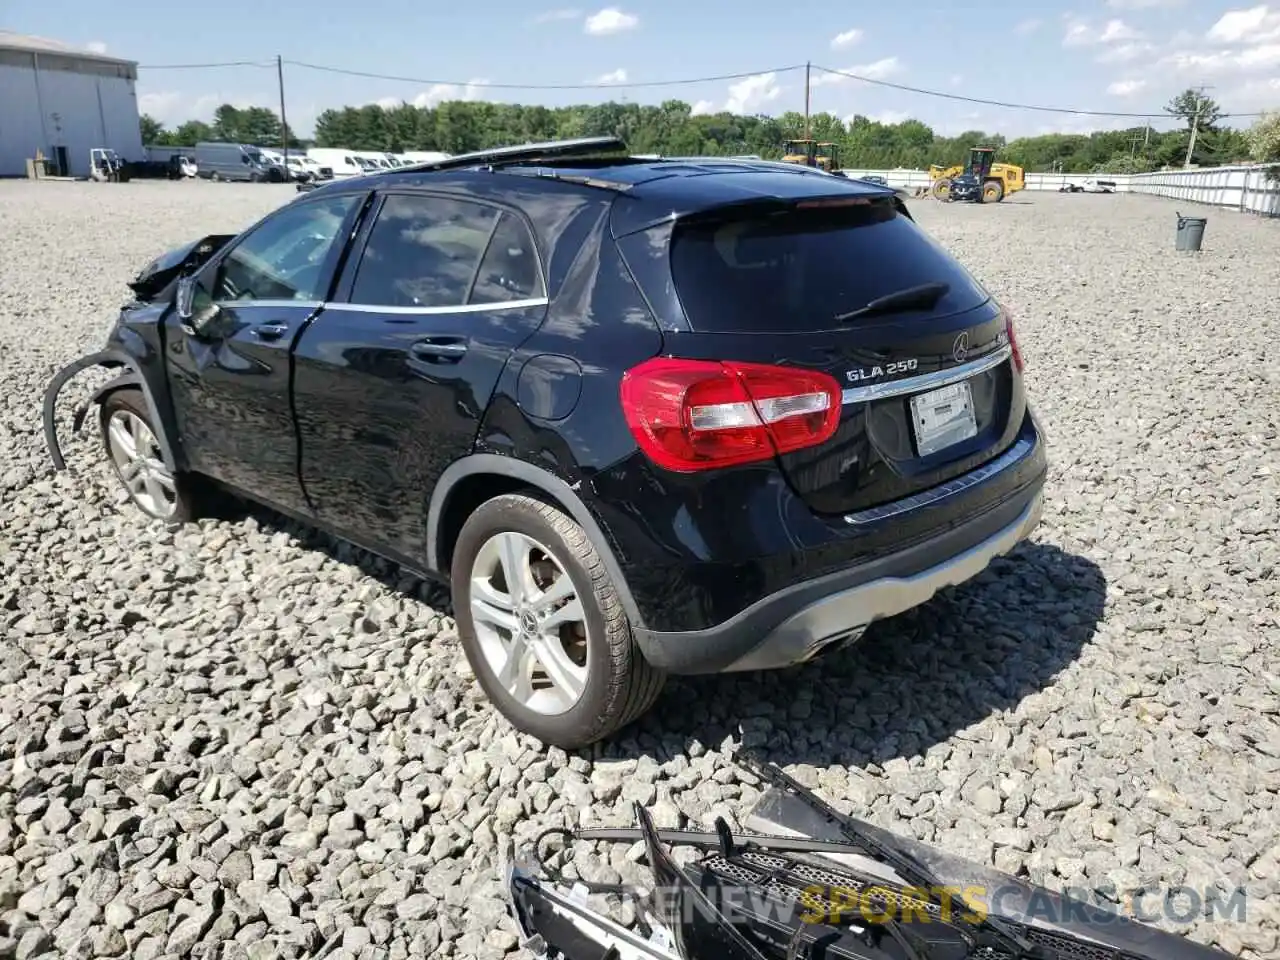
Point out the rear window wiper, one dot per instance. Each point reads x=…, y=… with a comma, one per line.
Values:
x=912, y=298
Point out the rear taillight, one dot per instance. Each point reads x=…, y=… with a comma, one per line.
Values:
x=691, y=415
x=1013, y=341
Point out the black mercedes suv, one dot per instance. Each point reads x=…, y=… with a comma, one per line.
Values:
x=644, y=416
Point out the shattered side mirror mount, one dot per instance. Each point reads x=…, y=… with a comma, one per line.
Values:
x=195, y=308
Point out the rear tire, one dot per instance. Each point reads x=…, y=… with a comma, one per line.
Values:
x=992, y=191
x=568, y=683
x=941, y=189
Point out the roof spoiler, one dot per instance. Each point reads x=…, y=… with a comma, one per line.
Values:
x=525, y=153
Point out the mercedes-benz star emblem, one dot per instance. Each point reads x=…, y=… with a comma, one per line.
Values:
x=960, y=349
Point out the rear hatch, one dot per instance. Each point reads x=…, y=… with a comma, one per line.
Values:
x=929, y=387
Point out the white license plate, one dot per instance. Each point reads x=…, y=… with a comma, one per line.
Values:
x=943, y=417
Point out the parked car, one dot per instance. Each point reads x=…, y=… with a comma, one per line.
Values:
x=639, y=415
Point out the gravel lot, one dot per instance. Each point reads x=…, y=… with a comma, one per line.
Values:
x=241, y=740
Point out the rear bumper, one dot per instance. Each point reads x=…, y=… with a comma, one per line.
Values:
x=799, y=622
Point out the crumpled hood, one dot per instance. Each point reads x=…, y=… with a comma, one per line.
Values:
x=157, y=275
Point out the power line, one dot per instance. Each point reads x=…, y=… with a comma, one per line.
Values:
x=539, y=86
x=206, y=66
x=687, y=81
x=1003, y=103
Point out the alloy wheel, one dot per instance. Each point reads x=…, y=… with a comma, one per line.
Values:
x=136, y=456
x=530, y=623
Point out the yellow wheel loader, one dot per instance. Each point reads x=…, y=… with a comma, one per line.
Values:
x=980, y=180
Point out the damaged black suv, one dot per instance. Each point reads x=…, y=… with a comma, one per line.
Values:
x=645, y=416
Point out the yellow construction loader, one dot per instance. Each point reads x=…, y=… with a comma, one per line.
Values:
x=811, y=153
x=980, y=180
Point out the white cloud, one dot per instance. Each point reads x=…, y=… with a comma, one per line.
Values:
x=1081, y=33
x=1028, y=27
x=880, y=70
x=1192, y=63
x=613, y=76
x=890, y=117
x=551, y=16
x=957, y=124
x=610, y=20
x=1125, y=52
x=204, y=107
x=1256, y=25
x=957, y=79
x=1079, y=123
x=96, y=46
x=173, y=109
x=750, y=94
x=1126, y=88
x=164, y=106
x=438, y=93
x=703, y=107
x=846, y=39
x=1254, y=95
x=1117, y=31
x=1142, y=4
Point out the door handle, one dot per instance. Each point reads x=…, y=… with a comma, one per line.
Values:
x=434, y=350
x=271, y=331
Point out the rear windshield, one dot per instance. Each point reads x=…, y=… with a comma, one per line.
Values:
x=794, y=271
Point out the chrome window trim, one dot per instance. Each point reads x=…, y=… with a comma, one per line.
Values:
x=1020, y=450
x=928, y=381
x=431, y=311
x=237, y=304
x=374, y=308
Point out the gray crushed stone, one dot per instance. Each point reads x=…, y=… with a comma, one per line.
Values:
x=239, y=741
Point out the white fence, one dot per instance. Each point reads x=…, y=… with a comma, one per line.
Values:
x=1247, y=189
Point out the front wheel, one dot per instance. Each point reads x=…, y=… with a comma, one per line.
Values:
x=542, y=626
x=992, y=191
x=133, y=451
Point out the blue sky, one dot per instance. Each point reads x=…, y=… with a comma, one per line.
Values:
x=1113, y=55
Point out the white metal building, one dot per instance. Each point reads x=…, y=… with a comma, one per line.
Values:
x=64, y=101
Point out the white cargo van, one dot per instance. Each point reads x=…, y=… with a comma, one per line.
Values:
x=343, y=163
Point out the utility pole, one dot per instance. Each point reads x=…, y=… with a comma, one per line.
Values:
x=807, y=67
x=1133, y=145
x=1195, y=124
x=284, y=125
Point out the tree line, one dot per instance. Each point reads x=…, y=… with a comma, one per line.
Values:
x=672, y=129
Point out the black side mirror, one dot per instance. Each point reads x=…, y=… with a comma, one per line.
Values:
x=195, y=308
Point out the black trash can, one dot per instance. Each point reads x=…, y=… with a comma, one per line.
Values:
x=1190, y=233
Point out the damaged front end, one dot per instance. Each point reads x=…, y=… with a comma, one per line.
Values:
x=811, y=882
x=154, y=285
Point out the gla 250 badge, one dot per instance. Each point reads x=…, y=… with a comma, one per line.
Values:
x=960, y=351
x=870, y=373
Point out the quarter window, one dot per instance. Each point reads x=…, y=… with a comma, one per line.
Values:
x=284, y=257
x=509, y=270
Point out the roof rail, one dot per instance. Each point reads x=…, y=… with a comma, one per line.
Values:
x=524, y=153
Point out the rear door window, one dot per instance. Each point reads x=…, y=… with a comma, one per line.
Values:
x=793, y=271
x=423, y=252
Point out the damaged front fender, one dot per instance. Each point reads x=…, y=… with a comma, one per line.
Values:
x=109, y=359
